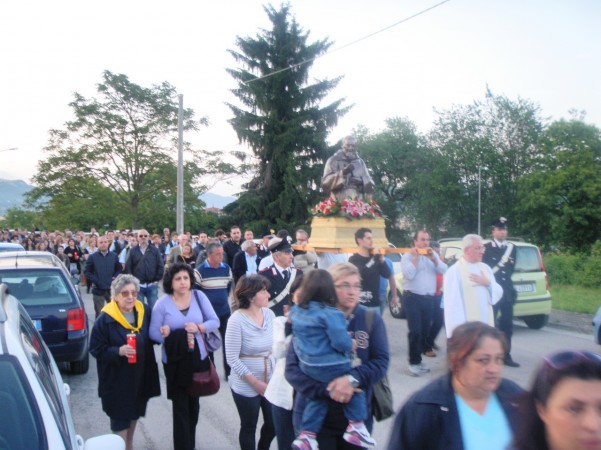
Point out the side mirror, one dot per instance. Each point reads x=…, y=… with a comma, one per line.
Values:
x=105, y=442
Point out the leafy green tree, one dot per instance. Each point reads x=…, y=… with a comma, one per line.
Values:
x=281, y=120
x=125, y=140
x=560, y=201
x=18, y=217
x=497, y=135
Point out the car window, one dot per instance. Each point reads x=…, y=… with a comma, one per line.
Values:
x=527, y=260
x=21, y=425
x=451, y=254
x=40, y=361
x=36, y=287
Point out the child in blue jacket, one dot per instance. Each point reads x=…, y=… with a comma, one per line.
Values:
x=324, y=347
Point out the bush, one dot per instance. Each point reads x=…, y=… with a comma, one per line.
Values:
x=574, y=269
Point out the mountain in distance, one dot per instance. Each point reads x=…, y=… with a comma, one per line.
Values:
x=12, y=192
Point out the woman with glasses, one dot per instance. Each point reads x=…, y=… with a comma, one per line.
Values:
x=472, y=407
x=127, y=376
x=369, y=365
x=562, y=410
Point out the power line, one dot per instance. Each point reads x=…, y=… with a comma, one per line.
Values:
x=350, y=43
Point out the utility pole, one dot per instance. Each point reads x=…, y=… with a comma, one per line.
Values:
x=179, y=225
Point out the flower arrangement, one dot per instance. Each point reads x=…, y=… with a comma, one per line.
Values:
x=351, y=208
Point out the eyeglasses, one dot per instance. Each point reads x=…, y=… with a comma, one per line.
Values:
x=128, y=293
x=348, y=287
x=142, y=235
x=562, y=360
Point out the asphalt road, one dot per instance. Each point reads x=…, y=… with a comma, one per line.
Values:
x=219, y=424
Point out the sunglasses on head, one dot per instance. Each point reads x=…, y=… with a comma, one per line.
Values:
x=562, y=360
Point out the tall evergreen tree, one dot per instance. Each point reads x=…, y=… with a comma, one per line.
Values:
x=281, y=121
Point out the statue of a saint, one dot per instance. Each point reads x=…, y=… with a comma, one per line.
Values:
x=345, y=174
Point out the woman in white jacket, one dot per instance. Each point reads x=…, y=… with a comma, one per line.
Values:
x=279, y=392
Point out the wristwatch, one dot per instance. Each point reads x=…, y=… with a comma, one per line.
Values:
x=354, y=382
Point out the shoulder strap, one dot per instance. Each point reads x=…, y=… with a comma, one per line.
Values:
x=195, y=293
x=369, y=320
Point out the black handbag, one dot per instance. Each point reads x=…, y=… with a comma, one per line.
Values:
x=205, y=383
x=381, y=402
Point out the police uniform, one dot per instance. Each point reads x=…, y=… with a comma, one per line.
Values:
x=277, y=279
x=501, y=259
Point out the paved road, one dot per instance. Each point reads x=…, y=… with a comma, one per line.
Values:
x=219, y=424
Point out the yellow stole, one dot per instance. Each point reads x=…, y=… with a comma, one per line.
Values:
x=471, y=305
x=112, y=309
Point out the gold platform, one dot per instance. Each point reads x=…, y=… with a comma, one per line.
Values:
x=339, y=232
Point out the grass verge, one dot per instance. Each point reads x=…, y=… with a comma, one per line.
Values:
x=575, y=298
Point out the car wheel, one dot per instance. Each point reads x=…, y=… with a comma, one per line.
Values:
x=536, y=322
x=81, y=367
x=396, y=311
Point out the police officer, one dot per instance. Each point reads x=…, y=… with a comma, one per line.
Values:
x=499, y=255
x=280, y=274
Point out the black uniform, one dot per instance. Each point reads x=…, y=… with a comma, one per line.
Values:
x=278, y=283
x=493, y=255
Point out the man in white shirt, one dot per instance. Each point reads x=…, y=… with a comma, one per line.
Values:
x=470, y=289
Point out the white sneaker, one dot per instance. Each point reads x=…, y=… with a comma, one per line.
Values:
x=417, y=370
x=359, y=436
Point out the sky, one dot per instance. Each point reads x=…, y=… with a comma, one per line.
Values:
x=546, y=51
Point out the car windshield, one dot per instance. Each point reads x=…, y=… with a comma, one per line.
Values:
x=37, y=287
x=20, y=422
x=527, y=260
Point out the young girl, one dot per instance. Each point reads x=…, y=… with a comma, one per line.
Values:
x=324, y=347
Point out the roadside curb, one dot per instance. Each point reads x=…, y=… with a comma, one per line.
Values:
x=566, y=320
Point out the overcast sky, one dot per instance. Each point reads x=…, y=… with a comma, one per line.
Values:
x=547, y=51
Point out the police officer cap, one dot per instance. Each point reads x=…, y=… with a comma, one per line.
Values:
x=501, y=222
x=279, y=245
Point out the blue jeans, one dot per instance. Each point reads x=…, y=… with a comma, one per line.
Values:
x=282, y=422
x=316, y=410
x=151, y=292
x=248, y=410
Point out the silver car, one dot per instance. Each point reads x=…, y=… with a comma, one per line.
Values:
x=35, y=410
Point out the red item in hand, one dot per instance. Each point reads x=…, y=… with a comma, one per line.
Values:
x=131, y=341
x=190, y=342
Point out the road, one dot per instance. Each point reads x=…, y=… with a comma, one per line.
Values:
x=219, y=424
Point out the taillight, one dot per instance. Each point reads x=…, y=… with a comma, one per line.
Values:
x=76, y=319
x=542, y=267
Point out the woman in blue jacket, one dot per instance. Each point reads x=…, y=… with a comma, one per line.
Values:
x=370, y=366
x=471, y=407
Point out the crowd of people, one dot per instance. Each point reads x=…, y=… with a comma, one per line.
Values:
x=304, y=344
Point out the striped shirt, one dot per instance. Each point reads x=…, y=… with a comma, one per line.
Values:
x=248, y=350
x=214, y=282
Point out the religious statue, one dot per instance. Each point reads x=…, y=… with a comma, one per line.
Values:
x=345, y=175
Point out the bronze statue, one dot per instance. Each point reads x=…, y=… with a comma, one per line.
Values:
x=345, y=175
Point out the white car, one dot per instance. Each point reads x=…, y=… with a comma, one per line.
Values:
x=35, y=410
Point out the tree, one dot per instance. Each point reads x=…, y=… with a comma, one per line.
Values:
x=497, y=135
x=122, y=141
x=281, y=121
x=560, y=201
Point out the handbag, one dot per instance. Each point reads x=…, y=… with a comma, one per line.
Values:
x=212, y=339
x=205, y=383
x=381, y=402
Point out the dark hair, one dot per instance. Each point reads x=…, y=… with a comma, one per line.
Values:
x=172, y=271
x=416, y=234
x=531, y=433
x=318, y=286
x=466, y=339
x=360, y=234
x=247, y=287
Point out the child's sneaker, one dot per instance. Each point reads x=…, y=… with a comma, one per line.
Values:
x=359, y=436
x=305, y=441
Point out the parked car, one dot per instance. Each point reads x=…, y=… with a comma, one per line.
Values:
x=42, y=283
x=35, y=410
x=10, y=247
x=533, y=304
x=597, y=326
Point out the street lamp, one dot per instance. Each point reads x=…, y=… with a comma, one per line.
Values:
x=480, y=194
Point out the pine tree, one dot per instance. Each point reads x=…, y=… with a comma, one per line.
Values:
x=281, y=121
